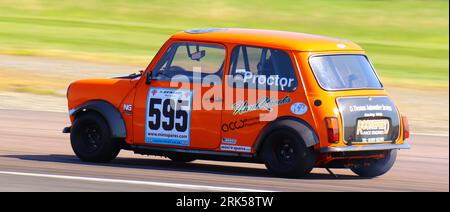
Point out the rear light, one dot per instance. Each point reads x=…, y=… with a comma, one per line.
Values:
x=405, y=127
x=332, y=129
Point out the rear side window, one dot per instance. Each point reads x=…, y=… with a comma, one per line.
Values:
x=344, y=72
x=262, y=68
x=186, y=58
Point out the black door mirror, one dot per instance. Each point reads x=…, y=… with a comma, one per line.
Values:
x=149, y=78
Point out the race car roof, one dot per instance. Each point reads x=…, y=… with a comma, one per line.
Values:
x=268, y=38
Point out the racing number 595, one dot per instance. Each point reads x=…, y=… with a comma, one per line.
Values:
x=170, y=113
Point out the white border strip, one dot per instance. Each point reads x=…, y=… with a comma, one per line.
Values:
x=431, y=134
x=135, y=182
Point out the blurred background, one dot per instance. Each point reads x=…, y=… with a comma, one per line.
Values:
x=46, y=44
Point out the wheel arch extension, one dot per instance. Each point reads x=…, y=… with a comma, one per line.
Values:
x=109, y=113
x=297, y=125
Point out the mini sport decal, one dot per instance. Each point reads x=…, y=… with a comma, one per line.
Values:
x=299, y=108
x=168, y=116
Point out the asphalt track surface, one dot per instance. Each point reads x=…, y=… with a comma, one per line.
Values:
x=36, y=156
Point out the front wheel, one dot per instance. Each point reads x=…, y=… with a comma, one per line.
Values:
x=377, y=167
x=286, y=155
x=91, y=139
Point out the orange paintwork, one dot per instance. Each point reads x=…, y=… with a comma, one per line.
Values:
x=270, y=38
x=206, y=133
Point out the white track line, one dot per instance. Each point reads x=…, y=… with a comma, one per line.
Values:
x=431, y=134
x=135, y=182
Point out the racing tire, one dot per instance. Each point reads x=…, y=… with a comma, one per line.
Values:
x=181, y=158
x=286, y=155
x=377, y=167
x=91, y=140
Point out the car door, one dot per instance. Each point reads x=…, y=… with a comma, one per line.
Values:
x=263, y=81
x=170, y=110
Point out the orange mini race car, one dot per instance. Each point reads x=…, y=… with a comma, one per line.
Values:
x=289, y=100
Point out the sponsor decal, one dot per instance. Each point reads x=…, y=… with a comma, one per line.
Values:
x=235, y=125
x=234, y=148
x=369, y=119
x=377, y=107
x=373, y=115
x=168, y=116
x=229, y=141
x=370, y=127
x=265, y=103
x=128, y=109
x=299, y=108
x=273, y=80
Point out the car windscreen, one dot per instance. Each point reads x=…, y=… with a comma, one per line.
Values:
x=344, y=72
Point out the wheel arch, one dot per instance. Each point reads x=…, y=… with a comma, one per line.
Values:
x=108, y=112
x=297, y=125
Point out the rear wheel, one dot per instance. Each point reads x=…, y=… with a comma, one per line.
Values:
x=91, y=139
x=377, y=167
x=286, y=155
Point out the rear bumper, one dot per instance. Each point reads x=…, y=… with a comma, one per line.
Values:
x=369, y=147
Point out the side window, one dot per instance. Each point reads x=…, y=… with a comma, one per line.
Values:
x=191, y=60
x=262, y=68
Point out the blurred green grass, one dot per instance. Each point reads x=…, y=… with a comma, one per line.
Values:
x=408, y=41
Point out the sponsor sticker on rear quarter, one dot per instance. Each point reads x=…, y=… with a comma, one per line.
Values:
x=299, y=108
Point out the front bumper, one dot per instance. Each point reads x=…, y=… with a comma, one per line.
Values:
x=66, y=129
x=368, y=147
